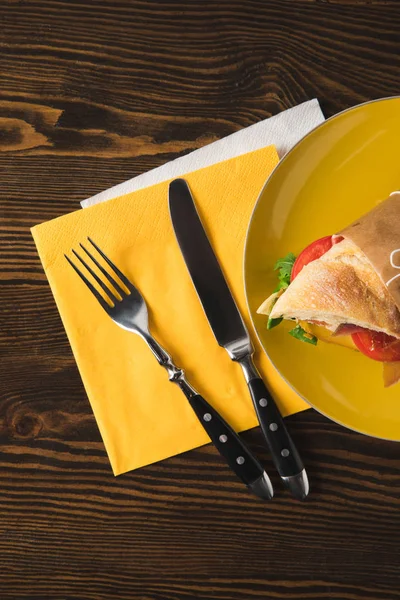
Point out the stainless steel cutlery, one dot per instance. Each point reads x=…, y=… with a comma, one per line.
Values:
x=231, y=333
x=125, y=305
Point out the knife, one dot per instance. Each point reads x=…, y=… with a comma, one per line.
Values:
x=231, y=333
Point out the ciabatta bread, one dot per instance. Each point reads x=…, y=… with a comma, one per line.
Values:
x=340, y=287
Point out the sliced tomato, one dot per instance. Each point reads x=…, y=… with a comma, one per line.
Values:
x=377, y=345
x=312, y=252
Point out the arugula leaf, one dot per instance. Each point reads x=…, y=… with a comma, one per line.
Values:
x=299, y=333
x=284, y=267
x=271, y=323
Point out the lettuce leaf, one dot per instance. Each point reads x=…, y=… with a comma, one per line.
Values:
x=299, y=333
x=284, y=267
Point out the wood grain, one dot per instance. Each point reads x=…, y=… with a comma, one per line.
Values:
x=91, y=94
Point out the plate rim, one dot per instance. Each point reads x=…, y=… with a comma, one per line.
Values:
x=275, y=169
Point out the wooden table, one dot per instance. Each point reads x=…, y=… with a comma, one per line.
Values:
x=93, y=93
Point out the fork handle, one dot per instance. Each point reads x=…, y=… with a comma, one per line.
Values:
x=241, y=460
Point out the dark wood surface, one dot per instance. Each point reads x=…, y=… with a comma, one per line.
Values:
x=92, y=93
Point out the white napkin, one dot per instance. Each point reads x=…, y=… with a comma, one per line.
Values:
x=283, y=130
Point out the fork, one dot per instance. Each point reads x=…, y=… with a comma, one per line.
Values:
x=123, y=302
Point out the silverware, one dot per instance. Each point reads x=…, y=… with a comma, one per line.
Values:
x=231, y=333
x=127, y=308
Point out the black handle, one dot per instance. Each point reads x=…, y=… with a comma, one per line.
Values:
x=230, y=446
x=284, y=453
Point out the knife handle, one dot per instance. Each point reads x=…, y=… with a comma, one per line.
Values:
x=283, y=451
x=230, y=446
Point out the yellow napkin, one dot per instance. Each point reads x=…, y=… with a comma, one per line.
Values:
x=143, y=417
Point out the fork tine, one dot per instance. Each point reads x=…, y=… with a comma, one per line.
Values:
x=122, y=277
x=103, y=286
x=90, y=286
x=105, y=273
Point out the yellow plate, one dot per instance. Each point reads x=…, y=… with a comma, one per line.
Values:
x=336, y=173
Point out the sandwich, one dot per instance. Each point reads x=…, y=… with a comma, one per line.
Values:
x=345, y=289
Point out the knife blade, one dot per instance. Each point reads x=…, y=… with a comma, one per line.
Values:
x=231, y=333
